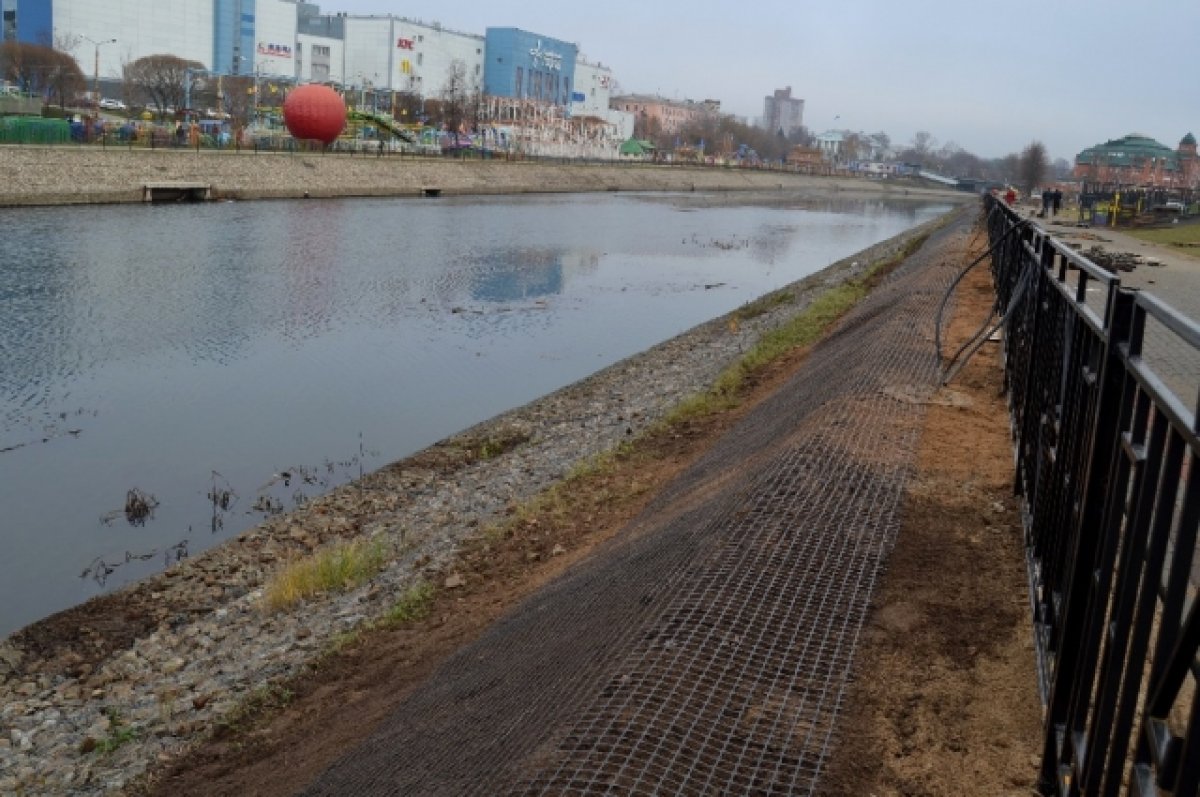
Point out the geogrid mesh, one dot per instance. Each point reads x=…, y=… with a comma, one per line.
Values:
x=706, y=651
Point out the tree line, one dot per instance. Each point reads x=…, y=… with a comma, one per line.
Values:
x=724, y=135
x=161, y=82
x=154, y=82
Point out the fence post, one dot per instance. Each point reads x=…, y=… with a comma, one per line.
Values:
x=1027, y=426
x=1085, y=544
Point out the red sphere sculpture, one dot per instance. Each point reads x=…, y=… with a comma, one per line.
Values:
x=314, y=111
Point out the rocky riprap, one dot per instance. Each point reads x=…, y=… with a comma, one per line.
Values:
x=93, y=697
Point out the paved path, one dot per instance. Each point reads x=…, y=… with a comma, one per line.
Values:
x=1176, y=280
x=707, y=651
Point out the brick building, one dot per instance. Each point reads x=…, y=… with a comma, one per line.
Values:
x=1140, y=160
x=659, y=114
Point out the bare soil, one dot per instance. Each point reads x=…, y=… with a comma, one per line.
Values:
x=945, y=698
x=944, y=702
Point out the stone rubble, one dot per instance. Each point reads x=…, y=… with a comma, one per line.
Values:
x=73, y=726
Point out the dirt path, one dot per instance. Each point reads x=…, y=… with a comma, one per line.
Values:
x=944, y=702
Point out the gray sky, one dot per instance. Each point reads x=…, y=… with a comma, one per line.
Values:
x=990, y=77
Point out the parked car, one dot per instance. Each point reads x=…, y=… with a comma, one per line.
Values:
x=112, y=105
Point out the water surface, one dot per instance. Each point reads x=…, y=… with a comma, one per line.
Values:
x=178, y=349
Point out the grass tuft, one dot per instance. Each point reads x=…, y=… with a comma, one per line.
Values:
x=259, y=701
x=336, y=568
x=804, y=329
x=764, y=305
x=495, y=445
x=413, y=605
x=119, y=733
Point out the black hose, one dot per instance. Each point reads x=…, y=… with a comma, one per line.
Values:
x=976, y=342
x=950, y=291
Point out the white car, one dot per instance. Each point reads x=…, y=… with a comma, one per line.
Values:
x=112, y=105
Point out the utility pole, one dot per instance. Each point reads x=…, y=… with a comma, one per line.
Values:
x=96, y=71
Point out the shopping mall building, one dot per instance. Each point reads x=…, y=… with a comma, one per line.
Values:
x=292, y=41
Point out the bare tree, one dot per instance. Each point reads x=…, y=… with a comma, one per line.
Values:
x=649, y=128
x=1032, y=166
x=67, y=42
x=235, y=96
x=456, y=97
x=881, y=144
x=407, y=107
x=1008, y=167
x=163, y=81
x=800, y=137
x=923, y=142
x=961, y=163
x=723, y=135
x=852, y=147
x=41, y=69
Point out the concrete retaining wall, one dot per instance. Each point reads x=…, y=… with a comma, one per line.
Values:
x=33, y=175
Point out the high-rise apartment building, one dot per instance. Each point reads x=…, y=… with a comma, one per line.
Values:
x=782, y=112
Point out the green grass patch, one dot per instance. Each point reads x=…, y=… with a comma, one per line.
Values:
x=336, y=568
x=119, y=733
x=261, y=699
x=1181, y=235
x=412, y=606
x=764, y=305
x=804, y=329
x=493, y=446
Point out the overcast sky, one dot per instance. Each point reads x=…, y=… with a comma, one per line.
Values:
x=990, y=77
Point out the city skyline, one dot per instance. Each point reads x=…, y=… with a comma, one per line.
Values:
x=1068, y=74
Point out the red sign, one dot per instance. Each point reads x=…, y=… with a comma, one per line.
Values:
x=276, y=50
x=404, y=44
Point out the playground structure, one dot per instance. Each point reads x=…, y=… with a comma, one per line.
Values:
x=1113, y=204
x=382, y=123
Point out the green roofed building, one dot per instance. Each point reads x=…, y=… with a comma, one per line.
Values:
x=1139, y=160
x=637, y=148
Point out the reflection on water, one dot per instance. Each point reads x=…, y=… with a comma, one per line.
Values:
x=520, y=273
x=235, y=360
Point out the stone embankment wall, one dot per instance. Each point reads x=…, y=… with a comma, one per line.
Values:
x=35, y=175
x=158, y=663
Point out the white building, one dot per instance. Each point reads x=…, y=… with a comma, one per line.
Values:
x=387, y=53
x=592, y=90
x=319, y=59
x=830, y=143
x=117, y=32
x=275, y=50
x=279, y=42
x=592, y=94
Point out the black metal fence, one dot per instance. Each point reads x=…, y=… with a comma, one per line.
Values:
x=1106, y=468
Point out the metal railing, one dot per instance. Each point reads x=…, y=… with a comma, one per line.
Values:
x=153, y=137
x=1105, y=458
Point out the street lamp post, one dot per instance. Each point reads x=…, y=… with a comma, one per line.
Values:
x=96, y=71
x=244, y=59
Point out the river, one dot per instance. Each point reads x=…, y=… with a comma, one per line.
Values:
x=270, y=351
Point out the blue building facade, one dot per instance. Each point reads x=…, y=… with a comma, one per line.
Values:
x=30, y=21
x=529, y=66
x=233, y=36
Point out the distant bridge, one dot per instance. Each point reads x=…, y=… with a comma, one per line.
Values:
x=938, y=178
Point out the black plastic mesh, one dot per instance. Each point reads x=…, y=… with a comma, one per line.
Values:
x=707, y=649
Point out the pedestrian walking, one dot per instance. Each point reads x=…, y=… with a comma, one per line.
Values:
x=1046, y=197
x=1056, y=200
